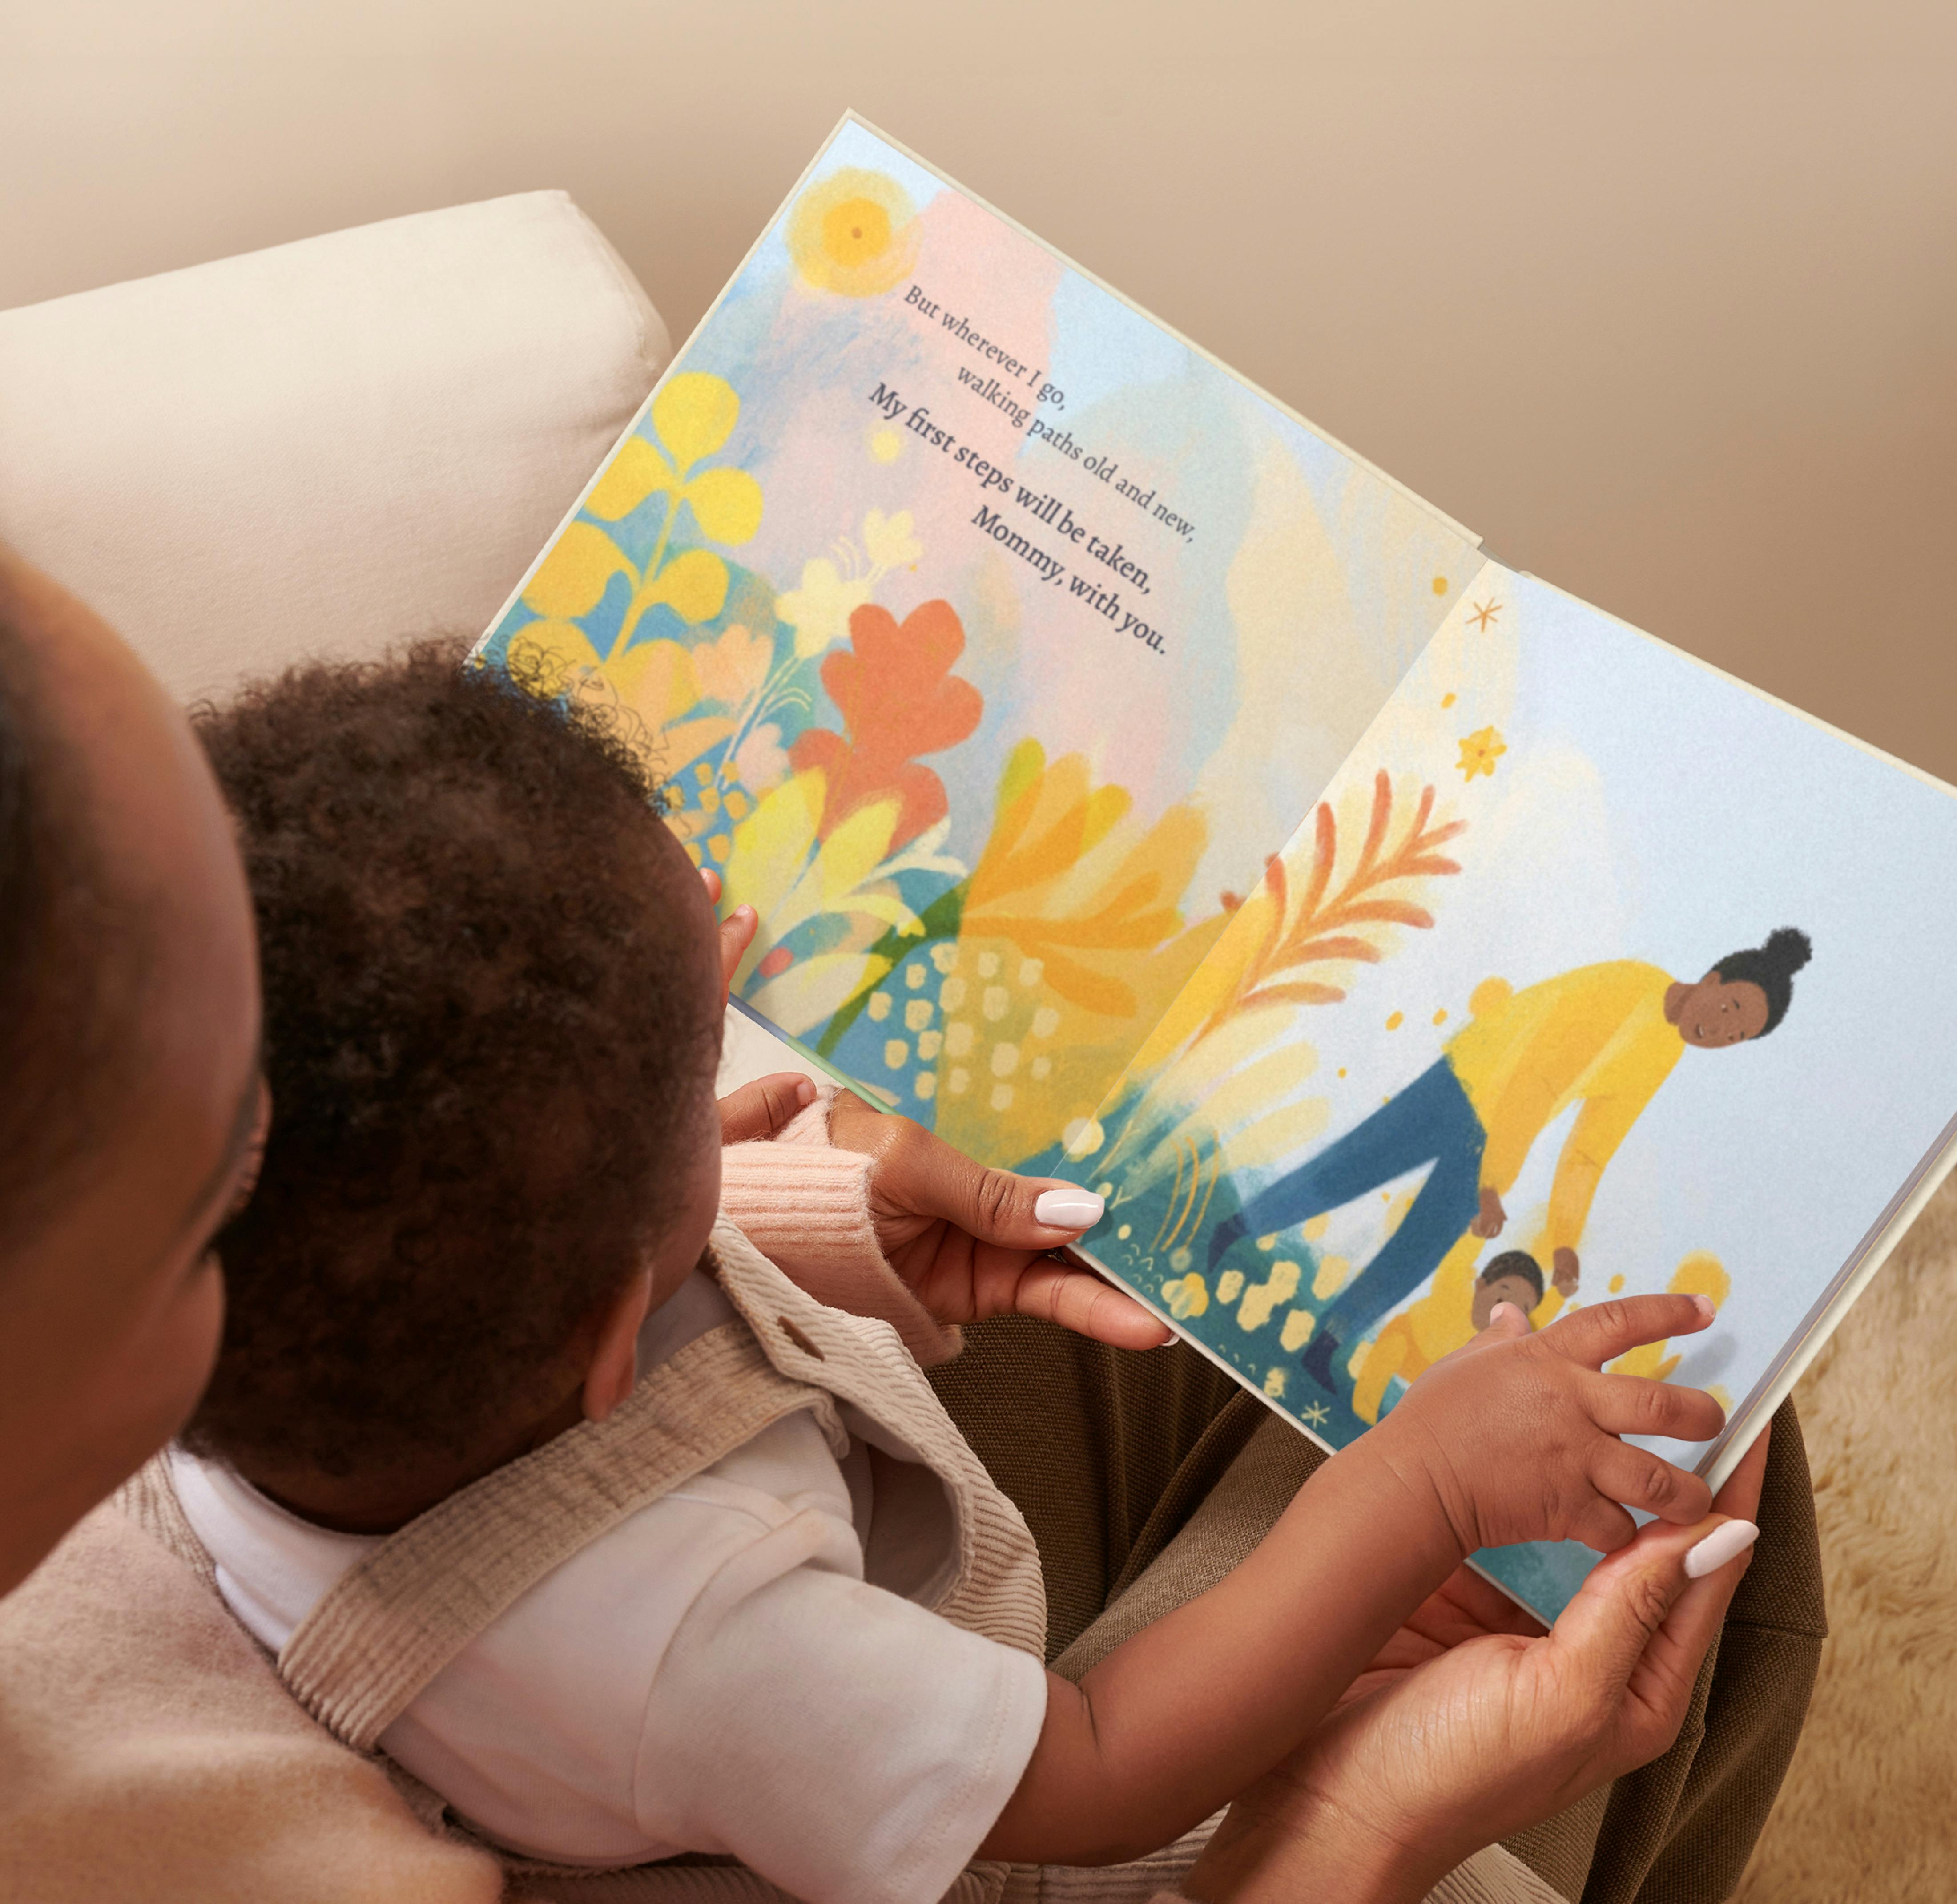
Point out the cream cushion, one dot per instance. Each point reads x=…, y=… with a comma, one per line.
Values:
x=316, y=449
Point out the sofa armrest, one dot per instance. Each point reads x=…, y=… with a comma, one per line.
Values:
x=316, y=449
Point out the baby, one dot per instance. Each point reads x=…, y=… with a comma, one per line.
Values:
x=532, y=1468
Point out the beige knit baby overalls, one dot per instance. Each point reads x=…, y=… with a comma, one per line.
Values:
x=392, y=1621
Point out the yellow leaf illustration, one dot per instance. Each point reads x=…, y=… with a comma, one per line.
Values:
x=694, y=414
x=814, y=989
x=635, y=472
x=772, y=845
x=656, y=678
x=855, y=851
x=694, y=585
x=726, y=503
x=572, y=579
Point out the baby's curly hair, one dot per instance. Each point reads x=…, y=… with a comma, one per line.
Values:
x=488, y=1025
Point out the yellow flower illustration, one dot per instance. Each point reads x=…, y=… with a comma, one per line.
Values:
x=853, y=233
x=1479, y=752
x=819, y=611
x=888, y=542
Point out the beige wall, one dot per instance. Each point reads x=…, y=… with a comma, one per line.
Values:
x=1661, y=298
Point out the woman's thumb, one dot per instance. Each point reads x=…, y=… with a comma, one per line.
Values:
x=1658, y=1602
x=996, y=1207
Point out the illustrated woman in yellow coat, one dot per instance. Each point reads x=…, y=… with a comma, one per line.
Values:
x=1606, y=1036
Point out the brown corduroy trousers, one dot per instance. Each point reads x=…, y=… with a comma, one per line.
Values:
x=1145, y=1478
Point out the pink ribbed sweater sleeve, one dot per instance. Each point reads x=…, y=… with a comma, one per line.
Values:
x=805, y=1205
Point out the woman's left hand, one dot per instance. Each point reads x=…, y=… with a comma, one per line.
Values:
x=972, y=1242
x=969, y=1242
x=1475, y=1723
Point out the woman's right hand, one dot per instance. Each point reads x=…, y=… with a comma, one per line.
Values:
x=1497, y=1733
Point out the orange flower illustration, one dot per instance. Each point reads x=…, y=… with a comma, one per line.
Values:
x=898, y=698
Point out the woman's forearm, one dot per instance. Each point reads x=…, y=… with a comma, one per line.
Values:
x=1281, y=1847
x=1179, y=1719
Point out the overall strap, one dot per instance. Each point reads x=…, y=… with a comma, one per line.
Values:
x=393, y=1621
x=995, y=1588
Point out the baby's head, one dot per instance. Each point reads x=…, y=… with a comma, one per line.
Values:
x=492, y=1011
x=1513, y=1277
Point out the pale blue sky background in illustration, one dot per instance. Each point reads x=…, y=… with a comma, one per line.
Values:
x=1648, y=808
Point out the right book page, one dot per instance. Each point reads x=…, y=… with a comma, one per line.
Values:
x=1594, y=973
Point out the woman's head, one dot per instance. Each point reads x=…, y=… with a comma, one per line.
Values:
x=1744, y=996
x=491, y=1020
x=128, y=1048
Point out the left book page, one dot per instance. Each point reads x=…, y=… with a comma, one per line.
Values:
x=986, y=637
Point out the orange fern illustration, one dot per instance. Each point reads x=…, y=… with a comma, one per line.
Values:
x=1326, y=927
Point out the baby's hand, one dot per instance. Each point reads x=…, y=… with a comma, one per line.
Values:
x=1517, y=1434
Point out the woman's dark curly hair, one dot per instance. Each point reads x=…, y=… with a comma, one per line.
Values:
x=490, y=1024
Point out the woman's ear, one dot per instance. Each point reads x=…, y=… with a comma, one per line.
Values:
x=614, y=1370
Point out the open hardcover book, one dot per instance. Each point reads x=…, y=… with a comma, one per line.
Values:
x=1139, y=787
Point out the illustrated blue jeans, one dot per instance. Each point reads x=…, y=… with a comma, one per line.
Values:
x=1431, y=1121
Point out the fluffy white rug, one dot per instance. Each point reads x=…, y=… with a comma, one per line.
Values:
x=1869, y=1811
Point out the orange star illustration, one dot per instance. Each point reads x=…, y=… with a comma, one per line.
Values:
x=1479, y=752
x=1485, y=612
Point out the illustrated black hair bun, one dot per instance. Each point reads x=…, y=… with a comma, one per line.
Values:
x=1772, y=967
x=1787, y=948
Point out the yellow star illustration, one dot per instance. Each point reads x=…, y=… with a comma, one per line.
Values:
x=1485, y=612
x=1315, y=1416
x=1479, y=752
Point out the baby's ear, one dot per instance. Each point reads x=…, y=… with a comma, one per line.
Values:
x=614, y=1369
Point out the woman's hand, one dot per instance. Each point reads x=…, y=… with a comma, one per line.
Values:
x=972, y=1242
x=969, y=1242
x=1431, y=1758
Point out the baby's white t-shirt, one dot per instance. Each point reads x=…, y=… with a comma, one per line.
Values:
x=724, y=1671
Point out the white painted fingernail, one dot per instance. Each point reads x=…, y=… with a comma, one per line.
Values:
x=1705, y=1308
x=1068, y=1209
x=1501, y=1310
x=1718, y=1547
